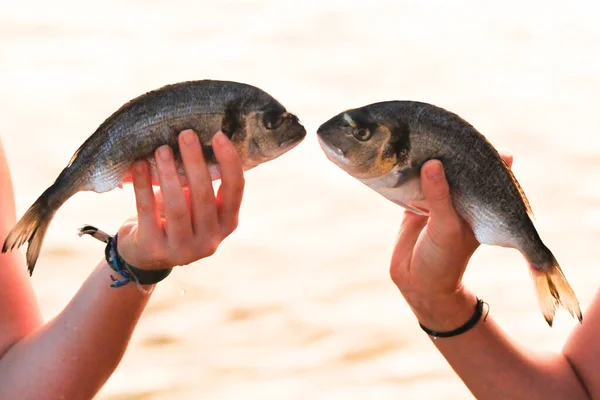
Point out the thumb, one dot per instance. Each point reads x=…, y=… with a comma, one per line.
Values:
x=444, y=223
x=436, y=190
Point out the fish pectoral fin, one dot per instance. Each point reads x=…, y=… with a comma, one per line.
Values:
x=406, y=174
x=231, y=119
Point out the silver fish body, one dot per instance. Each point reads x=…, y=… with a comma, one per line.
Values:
x=384, y=145
x=258, y=125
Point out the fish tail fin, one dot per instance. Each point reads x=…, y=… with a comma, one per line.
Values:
x=554, y=290
x=32, y=227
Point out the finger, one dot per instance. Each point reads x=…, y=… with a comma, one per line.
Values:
x=444, y=223
x=148, y=220
x=231, y=190
x=160, y=204
x=436, y=190
x=507, y=157
x=411, y=227
x=178, y=222
x=202, y=195
x=128, y=178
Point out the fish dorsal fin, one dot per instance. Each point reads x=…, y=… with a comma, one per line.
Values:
x=74, y=157
x=521, y=191
x=85, y=144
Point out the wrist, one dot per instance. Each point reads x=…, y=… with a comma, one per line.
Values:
x=442, y=312
x=128, y=271
x=110, y=275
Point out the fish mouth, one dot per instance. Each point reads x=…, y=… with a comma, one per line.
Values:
x=334, y=153
x=290, y=143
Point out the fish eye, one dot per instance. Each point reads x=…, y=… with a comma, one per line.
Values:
x=272, y=119
x=362, y=134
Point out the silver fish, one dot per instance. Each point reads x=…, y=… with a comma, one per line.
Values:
x=384, y=145
x=258, y=125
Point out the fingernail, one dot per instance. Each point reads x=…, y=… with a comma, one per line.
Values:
x=189, y=137
x=435, y=173
x=220, y=138
x=164, y=152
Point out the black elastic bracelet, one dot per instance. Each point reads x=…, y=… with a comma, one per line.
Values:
x=118, y=264
x=462, y=329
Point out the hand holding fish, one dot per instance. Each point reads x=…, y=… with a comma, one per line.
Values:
x=384, y=145
x=428, y=263
x=258, y=126
x=431, y=254
x=461, y=192
x=95, y=327
x=189, y=225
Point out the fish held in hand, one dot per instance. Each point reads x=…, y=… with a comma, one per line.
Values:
x=384, y=145
x=258, y=125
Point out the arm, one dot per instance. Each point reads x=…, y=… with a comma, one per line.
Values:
x=427, y=266
x=73, y=355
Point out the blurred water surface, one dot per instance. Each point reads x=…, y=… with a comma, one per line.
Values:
x=297, y=303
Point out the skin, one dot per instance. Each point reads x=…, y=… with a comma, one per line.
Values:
x=72, y=356
x=428, y=263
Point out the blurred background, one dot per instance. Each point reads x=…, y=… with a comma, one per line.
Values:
x=297, y=303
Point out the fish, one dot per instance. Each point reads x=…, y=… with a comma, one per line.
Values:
x=385, y=144
x=258, y=125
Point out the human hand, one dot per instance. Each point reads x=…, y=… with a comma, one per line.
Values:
x=178, y=226
x=432, y=252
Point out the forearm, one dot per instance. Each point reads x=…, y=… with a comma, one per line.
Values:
x=73, y=355
x=488, y=361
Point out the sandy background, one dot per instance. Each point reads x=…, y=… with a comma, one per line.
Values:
x=297, y=303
